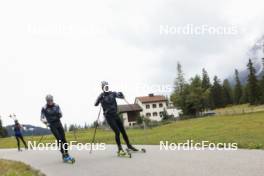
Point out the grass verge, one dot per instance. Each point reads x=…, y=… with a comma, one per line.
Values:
x=247, y=130
x=15, y=168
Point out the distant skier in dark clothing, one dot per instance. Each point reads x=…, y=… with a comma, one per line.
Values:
x=18, y=135
x=50, y=115
x=107, y=99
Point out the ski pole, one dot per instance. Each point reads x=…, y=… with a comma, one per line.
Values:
x=95, y=129
x=13, y=117
x=40, y=139
x=132, y=108
x=42, y=136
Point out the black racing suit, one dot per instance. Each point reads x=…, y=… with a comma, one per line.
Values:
x=19, y=136
x=53, y=114
x=109, y=104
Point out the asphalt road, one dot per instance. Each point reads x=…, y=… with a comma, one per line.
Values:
x=153, y=163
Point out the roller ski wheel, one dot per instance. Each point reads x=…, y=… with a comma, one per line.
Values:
x=124, y=154
x=69, y=160
x=143, y=150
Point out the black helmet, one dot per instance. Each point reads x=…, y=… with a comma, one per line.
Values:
x=49, y=97
x=104, y=83
x=105, y=86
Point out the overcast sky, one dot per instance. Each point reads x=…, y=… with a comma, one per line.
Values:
x=67, y=47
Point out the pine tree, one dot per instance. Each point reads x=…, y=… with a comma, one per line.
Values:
x=206, y=86
x=179, y=96
x=196, y=96
x=253, y=89
x=179, y=81
x=227, y=93
x=244, y=99
x=217, y=93
x=237, y=89
x=72, y=127
x=3, y=131
x=205, y=80
x=85, y=125
x=261, y=86
x=1, y=128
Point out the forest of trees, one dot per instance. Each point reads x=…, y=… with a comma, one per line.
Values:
x=200, y=94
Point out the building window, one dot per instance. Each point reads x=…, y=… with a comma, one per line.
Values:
x=154, y=105
x=160, y=105
x=155, y=114
x=161, y=114
x=147, y=106
x=148, y=114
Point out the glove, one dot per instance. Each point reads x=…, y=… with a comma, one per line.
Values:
x=45, y=122
x=120, y=95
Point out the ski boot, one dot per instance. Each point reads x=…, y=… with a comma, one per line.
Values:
x=122, y=153
x=130, y=148
x=68, y=159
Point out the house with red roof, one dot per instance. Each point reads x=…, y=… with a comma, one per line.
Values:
x=153, y=106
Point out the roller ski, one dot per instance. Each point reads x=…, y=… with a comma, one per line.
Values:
x=135, y=150
x=68, y=159
x=122, y=153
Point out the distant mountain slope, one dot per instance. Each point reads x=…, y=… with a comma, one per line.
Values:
x=255, y=53
x=29, y=130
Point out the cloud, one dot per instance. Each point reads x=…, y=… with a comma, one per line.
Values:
x=213, y=52
x=67, y=48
